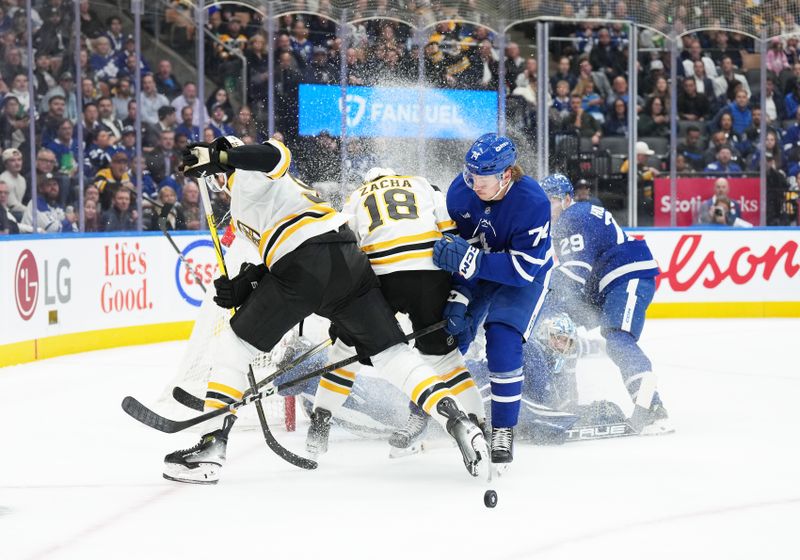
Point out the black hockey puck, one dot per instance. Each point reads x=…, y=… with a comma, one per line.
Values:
x=490, y=498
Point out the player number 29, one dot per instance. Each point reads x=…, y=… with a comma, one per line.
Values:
x=398, y=204
x=572, y=244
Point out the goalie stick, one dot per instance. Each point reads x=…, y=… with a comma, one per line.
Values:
x=196, y=403
x=139, y=412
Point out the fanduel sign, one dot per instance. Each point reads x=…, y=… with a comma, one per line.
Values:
x=397, y=112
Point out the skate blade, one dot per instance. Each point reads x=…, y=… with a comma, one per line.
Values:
x=658, y=428
x=203, y=474
x=500, y=468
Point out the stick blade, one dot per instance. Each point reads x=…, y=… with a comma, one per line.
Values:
x=187, y=399
x=138, y=411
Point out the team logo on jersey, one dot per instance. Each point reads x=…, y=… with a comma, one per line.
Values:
x=354, y=108
x=201, y=257
x=487, y=224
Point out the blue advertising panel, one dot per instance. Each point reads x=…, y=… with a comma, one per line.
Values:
x=398, y=112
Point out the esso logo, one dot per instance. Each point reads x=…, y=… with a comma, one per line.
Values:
x=26, y=284
x=202, y=258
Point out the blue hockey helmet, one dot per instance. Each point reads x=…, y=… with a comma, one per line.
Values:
x=557, y=186
x=489, y=155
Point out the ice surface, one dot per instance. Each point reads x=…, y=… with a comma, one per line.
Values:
x=80, y=479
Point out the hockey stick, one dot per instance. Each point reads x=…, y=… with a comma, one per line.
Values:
x=146, y=416
x=196, y=403
x=273, y=443
x=162, y=225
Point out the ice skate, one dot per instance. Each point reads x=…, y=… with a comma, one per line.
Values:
x=502, y=446
x=318, y=432
x=414, y=428
x=657, y=421
x=468, y=436
x=202, y=463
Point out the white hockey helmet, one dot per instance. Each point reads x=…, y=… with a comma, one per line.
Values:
x=377, y=172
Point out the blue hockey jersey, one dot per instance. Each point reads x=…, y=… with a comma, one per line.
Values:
x=513, y=232
x=595, y=253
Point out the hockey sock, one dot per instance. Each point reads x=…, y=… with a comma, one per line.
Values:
x=504, y=357
x=335, y=386
x=634, y=365
x=228, y=379
x=453, y=371
x=404, y=368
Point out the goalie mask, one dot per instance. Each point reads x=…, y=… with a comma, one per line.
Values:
x=558, y=334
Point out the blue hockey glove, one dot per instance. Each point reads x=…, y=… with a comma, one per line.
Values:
x=454, y=254
x=455, y=312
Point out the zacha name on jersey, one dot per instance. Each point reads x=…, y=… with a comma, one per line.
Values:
x=594, y=251
x=513, y=232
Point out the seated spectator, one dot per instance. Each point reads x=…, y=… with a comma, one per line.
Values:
x=704, y=84
x=91, y=217
x=167, y=120
x=722, y=49
x=682, y=166
x=108, y=119
x=606, y=57
x=709, y=211
x=167, y=206
x=114, y=34
x=8, y=222
x=583, y=192
x=103, y=61
x=217, y=123
x=13, y=124
x=695, y=55
x=692, y=106
x=648, y=82
x=725, y=125
x=19, y=89
x=150, y=100
x=232, y=45
x=12, y=62
x=43, y=80
x=46, y=165
x=91, y=25
x=99, y=152
x=654, y=121
x=792, y=99
x=740, y=112
x=65, y=148
x=719, y=139
x=49, y=214
x=120, y=217
x=619, y=89
x=17, y=184
x=181, y=143
x=725, y=84
x=560, y=107
x=52, y=37
x=47, y=124
x=515, y=65
x=692, y=150
x=645, y=180
x=752, y=136
x=645, y=171
x=190, y=201
x=772, y=152
x=110, y=179
x=601, y=84
x=66, y=89
x=791, y=139
x=564, y=73
x=166, y=82
x=220, y=97
x=617, y=122
x=723, y=163
x=189, y=97
x=186, y=127
x=777, y=61
x=122, y=96
x=592, y=102
x=244, y=124
x=128, y=143
x=581, y=121
x=126, y=60
x=319, y=70
x=300, y=44
x=719, y=212
x=163, y=160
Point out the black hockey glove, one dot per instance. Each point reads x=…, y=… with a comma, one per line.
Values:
x=233, y=292
x=201, y=159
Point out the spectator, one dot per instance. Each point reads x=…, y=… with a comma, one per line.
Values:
x=527, y=84
x=19, y=89
x=163, y=160
x=108, y=119
x=122, y=96
x=187, y=128
x=791, y=139
x=725, y=124
x=217, y=123
x=564, y=73
x=8, y=223
x=111, y=178
x=257, y=70
x=601, y=84
x=300, y=44
x=43, y=80
x=515, y=65
x=151, y=100
x=12, y=64
x=777, y=61
x=244, y=125
x=692, y=57
x=128, y=143
x=65, y=148
x=723, y=49
x=103, y=61
x=682, y=166
x=725, y=84
x=772, y=153
x=189, y=97
x=740, y=112
x=167, y=200
x=583, y=192
x=52, y=38
x=47, y=125
x=723, y=163
x=66, y=89
x=648, y=83
x=752, y=136
x=654, y=121
x=704, y=84
x=708, y=213
x=17, y=184
x=232, y=45
x=322, y=31
x=692, y=106
x=646, y=175
x=720, y=211
x=13, y=124
x=619, y=90
x=691, y=149
x=320, y=71
x=88, y=90
x=120, y=217
x=605, y=57
x=719, y=139
x=791, y=50
x=792, y=99
x=46, y=165
x=49, y=215
x=581, y=122
x=166, y=82
x=560, y=107
x=167, y=120
x=617, y=122
x=114, y=34
x=91, y=217
x=591, y=102
x=130, y=66
x=776, y=105
x=99, y=152
x=92, y=193
x=287, y=84
x=91, y=26
x=190, y=201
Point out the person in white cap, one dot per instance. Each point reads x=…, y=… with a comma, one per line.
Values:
x=646, y=175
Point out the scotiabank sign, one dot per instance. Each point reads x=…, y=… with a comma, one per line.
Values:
x=729, y=265
x=692, y=191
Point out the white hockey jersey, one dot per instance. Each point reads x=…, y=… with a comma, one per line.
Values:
x=277, y=212
x=397, y=220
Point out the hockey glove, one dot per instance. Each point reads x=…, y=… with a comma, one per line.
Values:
x=233, y=292
x=202, y=159
x=455, y=312
x=454, y=254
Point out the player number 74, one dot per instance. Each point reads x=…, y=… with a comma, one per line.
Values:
x=540, y=232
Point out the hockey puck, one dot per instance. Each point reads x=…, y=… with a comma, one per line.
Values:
x=490, y=498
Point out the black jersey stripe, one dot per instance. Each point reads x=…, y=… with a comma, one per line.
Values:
x=277, y=233
x=402, y=249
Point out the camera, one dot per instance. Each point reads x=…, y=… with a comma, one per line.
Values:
x=719, y=212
